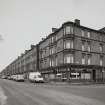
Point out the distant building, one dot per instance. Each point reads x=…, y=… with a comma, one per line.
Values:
x=27, y=62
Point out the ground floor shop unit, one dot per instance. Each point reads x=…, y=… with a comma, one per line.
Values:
x=72, y=73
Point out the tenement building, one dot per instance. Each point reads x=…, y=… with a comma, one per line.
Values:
x=27, y=62
x=70, y=53
x=73, y=52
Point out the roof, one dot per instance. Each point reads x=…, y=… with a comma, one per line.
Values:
x=102, y=31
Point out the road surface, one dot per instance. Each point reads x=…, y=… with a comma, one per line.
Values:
x=23, y=93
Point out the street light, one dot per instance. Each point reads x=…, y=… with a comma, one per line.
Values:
x=103, y=75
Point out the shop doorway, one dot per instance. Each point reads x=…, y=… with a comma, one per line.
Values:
x=94, y=75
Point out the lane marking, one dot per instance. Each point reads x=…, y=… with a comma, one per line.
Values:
x=3, y=97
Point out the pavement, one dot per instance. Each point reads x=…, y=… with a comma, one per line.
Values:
x=22, y=93
x=3, y=97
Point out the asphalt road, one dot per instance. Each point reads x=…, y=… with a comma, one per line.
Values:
x=20, y=93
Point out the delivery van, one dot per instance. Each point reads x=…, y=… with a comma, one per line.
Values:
x=36, y=77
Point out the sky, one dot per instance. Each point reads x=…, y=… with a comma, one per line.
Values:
x=26, y=22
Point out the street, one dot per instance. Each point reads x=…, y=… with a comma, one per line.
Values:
x=24, y=93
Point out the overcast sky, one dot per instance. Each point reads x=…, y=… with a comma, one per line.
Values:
x=25, y=22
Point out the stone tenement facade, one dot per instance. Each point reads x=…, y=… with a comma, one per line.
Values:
x=71, y=52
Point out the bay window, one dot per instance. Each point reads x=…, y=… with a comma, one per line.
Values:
x=51, y=62
x=68, y=44
x=68, y=30
x=68, y=58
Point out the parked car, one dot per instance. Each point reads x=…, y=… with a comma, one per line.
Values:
x=4, y=77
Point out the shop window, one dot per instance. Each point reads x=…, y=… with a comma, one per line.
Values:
x=75, y=75
x=85, y=76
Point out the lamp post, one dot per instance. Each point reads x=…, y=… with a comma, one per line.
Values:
x=103, y=75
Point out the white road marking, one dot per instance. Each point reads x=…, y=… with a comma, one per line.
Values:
x=3, y=97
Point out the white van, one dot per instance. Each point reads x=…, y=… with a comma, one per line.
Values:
x=36, y=77
x=14, y=77
x=20, y=77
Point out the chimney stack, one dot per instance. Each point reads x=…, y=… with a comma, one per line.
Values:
x=77, y=21
x=32, y=46
x=26, y=51
x=54, y=29
x=43, y=39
